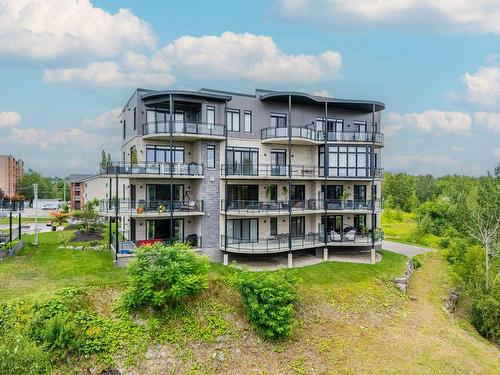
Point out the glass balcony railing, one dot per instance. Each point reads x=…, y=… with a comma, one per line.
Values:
x=142, y=206
x=297, y=171
x=181, y=127
x=154, y=168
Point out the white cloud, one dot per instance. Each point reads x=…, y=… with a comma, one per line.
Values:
x=488, y=120
x=9, y=119
x=483, y=86
x=252, y=57
x=106, y=120
x=404, y=160
x=45, y=138
x=51, y=29
x=496, y=153
x=433, y=120
x=134, y=70
x=246, y=56
x=390, y=130
x=457, y=148
x=479, y=16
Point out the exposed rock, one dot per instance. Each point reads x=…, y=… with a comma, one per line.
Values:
x=451, y=302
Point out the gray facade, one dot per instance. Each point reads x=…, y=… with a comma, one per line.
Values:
x=326, y=179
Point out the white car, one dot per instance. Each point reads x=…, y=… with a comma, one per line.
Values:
x=50, y=207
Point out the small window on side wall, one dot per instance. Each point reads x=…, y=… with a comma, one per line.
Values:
x=248, y=122
x=211, y=157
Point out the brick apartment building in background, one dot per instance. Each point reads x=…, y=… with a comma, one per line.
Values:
x=11, y=171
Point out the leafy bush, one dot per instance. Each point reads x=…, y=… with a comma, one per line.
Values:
x=485, y=314
x=416, y=263
x=269, y=300
x=164, y=275
x=20, y=356
x=90, y=218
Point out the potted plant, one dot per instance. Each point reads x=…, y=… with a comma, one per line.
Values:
x=140, y=209
x=344, y=196
x=161, y=208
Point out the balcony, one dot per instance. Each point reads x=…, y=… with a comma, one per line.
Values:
x=270, y=207
x=191, y=170
x=280, y=243
x=144, y=208
x=302, y=172
x=307, y=135
x=299, y=136
x=298, y=206
x=182, y=130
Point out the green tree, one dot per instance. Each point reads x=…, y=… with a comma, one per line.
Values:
x=401, y=187
x=104, y=160
x=425, y=187
x=25, y=186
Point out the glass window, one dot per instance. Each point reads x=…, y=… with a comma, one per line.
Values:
x=233, y=120
x=124, y=128
x=150, y=115
x=274, y=226
x=242, y=161
x=210, y=116
x=161, y=154
x=297, y=226
x=135, y=118
x=211, y=156
x=248, y=122
x=278, y=120
x=242, y=230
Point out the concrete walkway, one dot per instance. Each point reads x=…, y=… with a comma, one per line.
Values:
x=405, y=249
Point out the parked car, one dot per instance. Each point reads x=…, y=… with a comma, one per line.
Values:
x=50, y=206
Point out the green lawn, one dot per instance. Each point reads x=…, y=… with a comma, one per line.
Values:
x=40, y=271
x=5, y=220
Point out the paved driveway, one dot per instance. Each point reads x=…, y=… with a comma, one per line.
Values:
x=405, y=249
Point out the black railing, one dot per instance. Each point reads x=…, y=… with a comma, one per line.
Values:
x=181, y=127
x=280, y=243
x=311, y=134
x=11, y=205
x=354, y=204
x=157, y=168
x=269, y=206
x=145, y=207
x=297, y=171
x=297, y=132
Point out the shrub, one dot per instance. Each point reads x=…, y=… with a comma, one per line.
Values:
x=20, y=356
x=485, y=314
x=161, y=276
x=269, y=300
x=416, y=263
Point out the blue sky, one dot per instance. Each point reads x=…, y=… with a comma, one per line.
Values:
x=66, y=68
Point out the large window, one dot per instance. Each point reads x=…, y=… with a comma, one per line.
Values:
x=161, y=154
x=124, y=128
x=210, y=116
x=346, y=161
x=243, y=193
x=278, y=120
x=248, y=122
x=278, y=163
x=242, y=161
x=135, y=118
x=273, y=222
x=359, y=192
x=211, y=156
x=298, y=226
x=242, y=230
x=360, y=222
x=233, y=120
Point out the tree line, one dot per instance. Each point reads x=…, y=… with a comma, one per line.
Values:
x=463, y=214
x=48, y=187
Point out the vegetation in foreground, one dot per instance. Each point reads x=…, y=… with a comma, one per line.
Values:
x=349, y=318
x=462, y=216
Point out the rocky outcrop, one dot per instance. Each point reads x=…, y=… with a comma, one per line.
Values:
x=402, y=282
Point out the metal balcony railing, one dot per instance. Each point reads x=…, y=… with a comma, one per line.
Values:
x=181, y=127
x=126, y=206
x=297, y=171
x=157, y=168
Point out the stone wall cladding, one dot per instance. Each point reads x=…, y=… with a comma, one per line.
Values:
x=210, y=191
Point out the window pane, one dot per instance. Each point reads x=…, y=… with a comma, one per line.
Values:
x=248, y=122
x=211, y=157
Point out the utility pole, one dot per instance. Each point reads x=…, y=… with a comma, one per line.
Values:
x=64, y=190
x=35, y=193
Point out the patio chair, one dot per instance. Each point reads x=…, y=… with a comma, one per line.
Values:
x=335, y=237
x=349, y=236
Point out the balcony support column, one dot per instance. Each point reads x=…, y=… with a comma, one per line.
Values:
x=108, y=211
x=117, y=202
x=372, y=164
x=290, y=260
x=225, y=179
x=325, y=171
x=226, y=258
x=325, y=254
x=171, y=108
x=289, y=180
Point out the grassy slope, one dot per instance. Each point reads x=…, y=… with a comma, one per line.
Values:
x=351, y=319
x=39, y=271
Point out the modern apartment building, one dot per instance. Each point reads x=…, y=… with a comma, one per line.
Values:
x=231, y=173
x=11, y=171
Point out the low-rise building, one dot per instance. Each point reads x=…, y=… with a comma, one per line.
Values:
x=11, y=171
